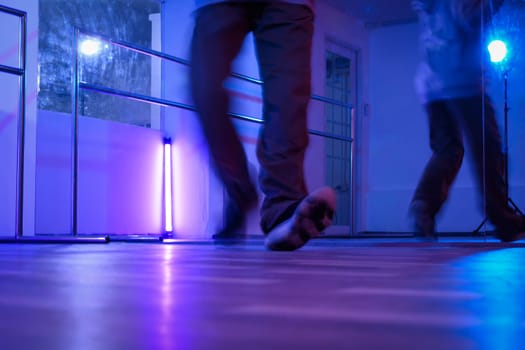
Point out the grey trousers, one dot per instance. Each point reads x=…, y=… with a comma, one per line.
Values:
x=283, y=39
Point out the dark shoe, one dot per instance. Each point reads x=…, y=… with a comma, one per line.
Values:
x=313, y=215
x=506, y=234
x=510, y=237
x=232, y=230
x=423, y=222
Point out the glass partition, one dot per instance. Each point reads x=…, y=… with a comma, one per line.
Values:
x=9, y=117
x=502, y=26
x=395, y=147
x=444, y=121
x=12, y=118
x=104, y=64
x=469, y=56
x=106, y=123
x=10, y=43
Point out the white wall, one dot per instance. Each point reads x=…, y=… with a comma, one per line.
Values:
x=120, y=177
x=399, y=139
x=9, y=117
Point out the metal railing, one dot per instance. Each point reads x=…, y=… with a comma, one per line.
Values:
x=78, y=85
x=19, y=71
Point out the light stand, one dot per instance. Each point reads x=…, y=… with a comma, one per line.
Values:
x=506, y=110
x=506, y=146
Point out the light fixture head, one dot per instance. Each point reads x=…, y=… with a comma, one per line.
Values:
x=498, y=51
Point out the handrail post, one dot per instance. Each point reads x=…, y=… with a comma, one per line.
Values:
x=75, y=121
x=20, y=71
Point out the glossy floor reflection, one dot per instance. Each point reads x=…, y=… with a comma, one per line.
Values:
x=332, y=294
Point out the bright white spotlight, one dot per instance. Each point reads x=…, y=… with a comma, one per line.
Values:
x=90, y=47
x=498, y=51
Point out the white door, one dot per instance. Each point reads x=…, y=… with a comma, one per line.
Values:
x=341, y=86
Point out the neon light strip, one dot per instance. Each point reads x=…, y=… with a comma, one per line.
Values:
x=168, y=188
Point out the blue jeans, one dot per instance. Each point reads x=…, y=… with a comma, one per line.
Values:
x=283, y=39
x=449, y=121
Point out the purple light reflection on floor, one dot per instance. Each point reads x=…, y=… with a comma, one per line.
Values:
x=333, y=294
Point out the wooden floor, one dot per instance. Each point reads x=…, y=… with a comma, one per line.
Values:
x=332, y=294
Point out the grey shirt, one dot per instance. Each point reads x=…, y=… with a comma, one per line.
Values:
x=309, y=3
x=450, y=41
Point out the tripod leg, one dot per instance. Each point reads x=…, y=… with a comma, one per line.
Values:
x=514, y=206
x=476, y=231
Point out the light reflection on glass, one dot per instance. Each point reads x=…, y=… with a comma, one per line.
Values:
x=90, y=47
x=157, y=186
x=178, y=191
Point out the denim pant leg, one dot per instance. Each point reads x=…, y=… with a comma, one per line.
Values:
x=488, y=161
x=446, y=143
x=218, y=35
x=283, y=38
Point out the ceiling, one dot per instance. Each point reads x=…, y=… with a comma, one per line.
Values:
x=376, y=13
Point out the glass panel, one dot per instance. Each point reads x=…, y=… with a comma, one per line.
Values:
x=120, y=175
x=117, y=68
x=10, y=43
x=339, y=122
x=101, y=62
x=9, y=117
x=391, y=112
x=53, y=183
x=114, y=108
x=450, y=68
x=504, y=43
x=333, y=170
